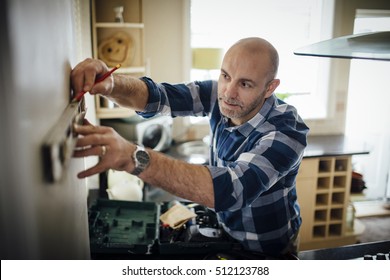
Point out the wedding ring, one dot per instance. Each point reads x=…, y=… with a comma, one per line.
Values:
x=104, y=150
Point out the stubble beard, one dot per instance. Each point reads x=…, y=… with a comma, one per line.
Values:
x=241, y=111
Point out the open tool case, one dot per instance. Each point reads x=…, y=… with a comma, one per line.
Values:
x=133, y=229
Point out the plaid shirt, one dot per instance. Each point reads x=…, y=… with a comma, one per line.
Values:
x=253, y=166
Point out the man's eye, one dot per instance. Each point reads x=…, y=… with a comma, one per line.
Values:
x=245, y=84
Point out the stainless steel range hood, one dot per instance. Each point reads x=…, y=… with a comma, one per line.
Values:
x=373, y=46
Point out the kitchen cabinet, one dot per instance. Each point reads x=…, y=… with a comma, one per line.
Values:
x=118, y=38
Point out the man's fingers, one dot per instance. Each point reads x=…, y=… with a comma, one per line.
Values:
x=86, y=122
x=88, y=129
x=92, y=151
x=99, y=168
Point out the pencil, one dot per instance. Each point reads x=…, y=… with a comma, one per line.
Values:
x=102, y=78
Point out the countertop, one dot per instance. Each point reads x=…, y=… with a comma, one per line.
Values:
x=334, y=145
x=357, y=251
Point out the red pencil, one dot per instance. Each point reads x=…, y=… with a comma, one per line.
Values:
x=102, y=78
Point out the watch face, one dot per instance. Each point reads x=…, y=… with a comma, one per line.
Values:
x=141, y=160
x=142, y=157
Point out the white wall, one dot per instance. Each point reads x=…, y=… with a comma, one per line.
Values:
x=167, y=39
x=38, y=49
x=167, y=45
x=367, y=114
x=368, y=121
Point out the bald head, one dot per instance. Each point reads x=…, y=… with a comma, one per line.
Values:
x=259, y=47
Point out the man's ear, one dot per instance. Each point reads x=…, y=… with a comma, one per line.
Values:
x=271, y=87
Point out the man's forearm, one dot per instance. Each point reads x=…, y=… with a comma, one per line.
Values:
x=129, y=92
x=188, y=181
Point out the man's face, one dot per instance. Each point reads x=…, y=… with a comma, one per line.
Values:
x=243, y=84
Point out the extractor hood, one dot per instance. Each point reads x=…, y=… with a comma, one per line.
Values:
x=373, y=46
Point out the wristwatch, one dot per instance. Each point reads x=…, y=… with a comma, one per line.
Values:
x=141, y=160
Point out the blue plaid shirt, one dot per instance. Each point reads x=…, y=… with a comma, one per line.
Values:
x=253, y=166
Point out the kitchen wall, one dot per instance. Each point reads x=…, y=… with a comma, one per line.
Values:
x=345, y=11
x=38, y=48
x=167, y=47
x=364, y=93
x=167, y=41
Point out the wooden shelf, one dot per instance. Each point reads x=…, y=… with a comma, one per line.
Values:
x=127, y=37
x=119, y=25
x=112, y=113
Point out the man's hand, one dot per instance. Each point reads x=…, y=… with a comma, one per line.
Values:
x=114, y=151
x=85, y=73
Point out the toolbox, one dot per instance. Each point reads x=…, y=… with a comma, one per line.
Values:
x=129, y=228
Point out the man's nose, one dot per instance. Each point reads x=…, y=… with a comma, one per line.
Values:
x=231, y=90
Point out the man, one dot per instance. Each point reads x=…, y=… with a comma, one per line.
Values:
x=256, y=148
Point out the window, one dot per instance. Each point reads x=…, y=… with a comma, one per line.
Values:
x=288, y=25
